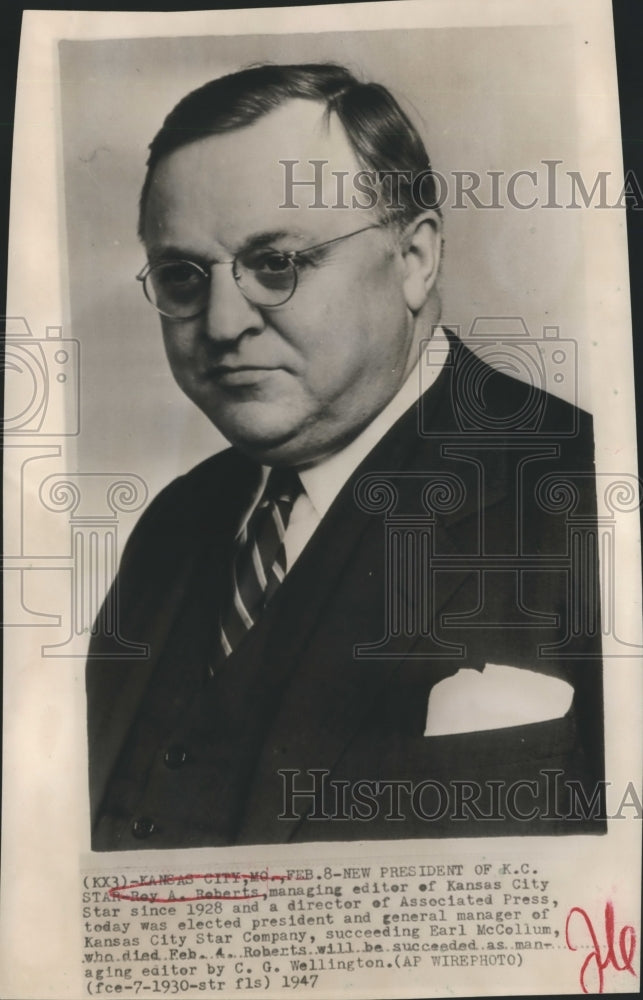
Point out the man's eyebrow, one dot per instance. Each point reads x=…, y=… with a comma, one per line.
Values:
x=256, y=241
x=157, y=254
x=267, y=238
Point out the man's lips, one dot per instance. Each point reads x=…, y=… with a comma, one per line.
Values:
x=224, y=369
x=240, y=374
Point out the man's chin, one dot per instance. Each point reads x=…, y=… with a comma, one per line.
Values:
x=267, y=445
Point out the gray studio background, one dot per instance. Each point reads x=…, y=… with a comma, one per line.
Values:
x=484, y=99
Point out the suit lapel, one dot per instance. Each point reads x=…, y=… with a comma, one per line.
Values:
x=342, y=570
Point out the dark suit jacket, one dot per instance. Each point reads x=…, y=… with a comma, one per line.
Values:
x=466, y=537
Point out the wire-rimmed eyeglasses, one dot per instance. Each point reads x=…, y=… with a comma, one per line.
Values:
x=180, y=289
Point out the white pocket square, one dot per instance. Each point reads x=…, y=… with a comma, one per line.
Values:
x=495, y=698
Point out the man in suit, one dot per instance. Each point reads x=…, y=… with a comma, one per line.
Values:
x=374, y=615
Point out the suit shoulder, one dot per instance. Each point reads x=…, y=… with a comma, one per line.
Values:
x=488, y=397
x=185, y=508
x=197, y=488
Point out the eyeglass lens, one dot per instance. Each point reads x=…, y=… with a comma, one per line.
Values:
x=181, y=289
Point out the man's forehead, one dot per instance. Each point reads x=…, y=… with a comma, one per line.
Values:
x=297, y=128
x=242, y=172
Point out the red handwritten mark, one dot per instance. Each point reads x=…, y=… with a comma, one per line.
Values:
x=603, y=960
x=119, y=893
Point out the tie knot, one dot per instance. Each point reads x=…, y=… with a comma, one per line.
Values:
x=282, y=486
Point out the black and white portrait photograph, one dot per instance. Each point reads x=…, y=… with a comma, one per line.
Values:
x=388, y=572
x=325, y=545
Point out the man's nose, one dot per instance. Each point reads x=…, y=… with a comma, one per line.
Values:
x=229, y=314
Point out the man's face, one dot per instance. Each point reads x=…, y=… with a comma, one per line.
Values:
x=293, y=383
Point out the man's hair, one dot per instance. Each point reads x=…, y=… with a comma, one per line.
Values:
x=381, y=135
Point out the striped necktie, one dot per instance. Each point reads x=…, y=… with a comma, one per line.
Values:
x=259, y=563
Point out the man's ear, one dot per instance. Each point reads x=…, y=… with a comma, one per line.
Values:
x=421, y=249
